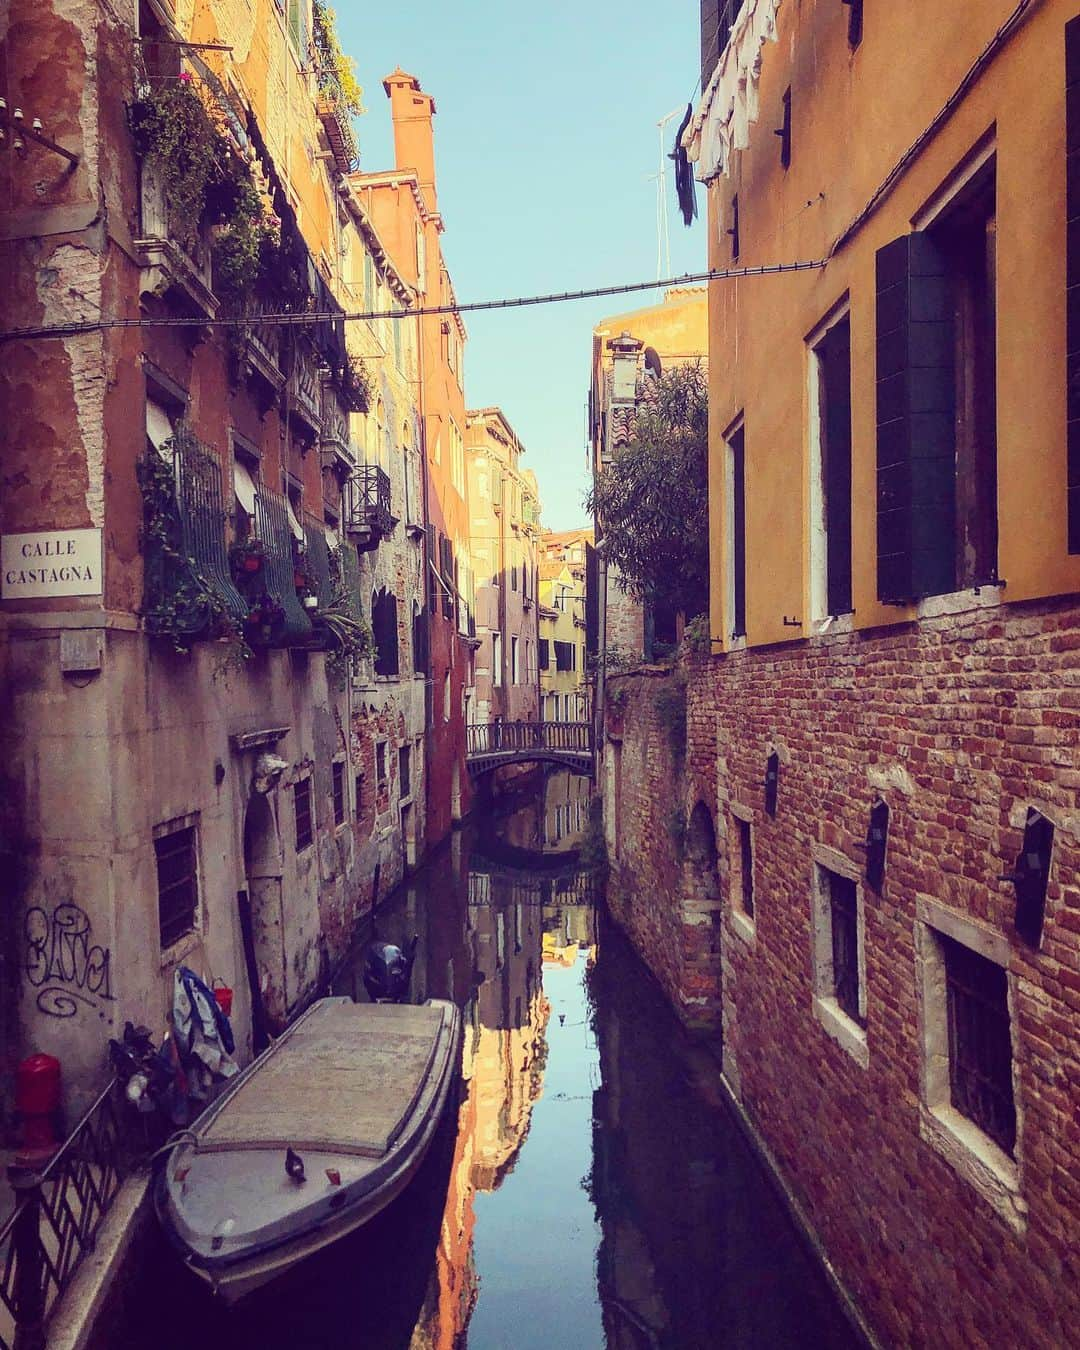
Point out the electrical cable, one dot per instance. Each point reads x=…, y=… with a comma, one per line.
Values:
x=298, y=319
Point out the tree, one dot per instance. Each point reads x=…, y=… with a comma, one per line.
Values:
x=652, y=501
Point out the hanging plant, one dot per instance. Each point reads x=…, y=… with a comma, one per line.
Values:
x=247, y=557
x=172, y=126
x=180, y=602
x=355, y=385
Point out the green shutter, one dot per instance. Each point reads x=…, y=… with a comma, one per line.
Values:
x=916, y=422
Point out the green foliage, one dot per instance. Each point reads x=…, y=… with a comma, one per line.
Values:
x=696, y=635
x=332, y=60
x=653, y=499
x=180, y=602
x=355, y=384
x=617, y=695
x=346, y=630
x=671, y=713
x=206, y=181
x=616, y=659
x=171, y=125
x=592, y=851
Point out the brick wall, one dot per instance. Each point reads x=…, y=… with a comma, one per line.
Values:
x=960, y=723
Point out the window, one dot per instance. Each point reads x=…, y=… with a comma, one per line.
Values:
x=515, y=668
x=384, y=630
x=980, y=1042
x=564, y=655
x=337, y=770
x=736, y=522
x=175, y=853
x=937, y=399
x=830, y=471
x=358, y=788
x=496, y=658
x=302, y=813
x=784, y=129
x=844, y=922
x=380, y=765
x=404, y=756
x=733, y=229
x=854, y=23
x=513, y=576
x=839, y=955
x=543, y=653
x=746, y=866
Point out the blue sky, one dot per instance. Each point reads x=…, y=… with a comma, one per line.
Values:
x=545, y=141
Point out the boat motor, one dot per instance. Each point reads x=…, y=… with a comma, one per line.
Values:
x=388, y=970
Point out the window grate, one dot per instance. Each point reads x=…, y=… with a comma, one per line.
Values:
x=302, y=810
x=980, y=1043
x=178, y=885
x=338, y=774
x=844, y=922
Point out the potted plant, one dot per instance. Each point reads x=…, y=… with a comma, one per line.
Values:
x=247, y=557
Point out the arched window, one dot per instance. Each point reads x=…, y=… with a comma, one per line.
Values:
x=384, y=630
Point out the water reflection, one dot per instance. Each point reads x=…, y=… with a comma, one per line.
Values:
x=583, y=1191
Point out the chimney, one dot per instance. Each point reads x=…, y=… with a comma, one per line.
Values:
x=414, y=141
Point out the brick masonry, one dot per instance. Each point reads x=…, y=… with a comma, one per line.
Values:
x=961, y=723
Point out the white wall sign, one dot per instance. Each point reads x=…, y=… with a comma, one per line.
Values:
x=54, y=562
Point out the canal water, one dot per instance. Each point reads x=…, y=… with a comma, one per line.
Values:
x=587, y=1188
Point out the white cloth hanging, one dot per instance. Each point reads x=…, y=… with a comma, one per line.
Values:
x=729, y=106
x=244, y=486
x=159, y=427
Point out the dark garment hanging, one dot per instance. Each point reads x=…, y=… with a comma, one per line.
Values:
x=684, y=174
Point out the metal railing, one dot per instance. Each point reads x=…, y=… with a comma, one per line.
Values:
x=497, y=891
x=491, y=738
x=367, y=502
x=58, y=1215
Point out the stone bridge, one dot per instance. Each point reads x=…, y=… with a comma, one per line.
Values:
x=490, y=745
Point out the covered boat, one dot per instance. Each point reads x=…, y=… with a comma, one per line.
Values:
x=320, y=1133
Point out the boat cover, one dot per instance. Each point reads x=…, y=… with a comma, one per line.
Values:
x=344, y=1079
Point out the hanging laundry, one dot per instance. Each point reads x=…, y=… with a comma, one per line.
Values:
x=684, y=175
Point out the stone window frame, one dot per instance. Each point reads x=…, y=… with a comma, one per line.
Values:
x=971, y=1153
x=742, y=924
x=844, y=1030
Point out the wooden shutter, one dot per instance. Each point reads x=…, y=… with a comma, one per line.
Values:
x=835, y=353
x=1072, y=271
x=916, y=421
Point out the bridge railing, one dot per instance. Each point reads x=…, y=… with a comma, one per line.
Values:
x=491, y=738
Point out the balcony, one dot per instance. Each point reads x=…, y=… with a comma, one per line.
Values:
x=332, y=102
x=188, y=592
x=265, y=569
x=335, y=450
x=303, y=386
x=168, y=266
x=366, y=504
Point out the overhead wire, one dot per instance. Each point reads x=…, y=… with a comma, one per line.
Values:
x=302, y=318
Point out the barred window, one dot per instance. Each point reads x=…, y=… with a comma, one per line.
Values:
x=338, y=772
x=178, y=883
x=980, y=1042
x=746, y=867
x=302, y=810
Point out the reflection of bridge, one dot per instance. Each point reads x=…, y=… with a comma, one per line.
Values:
x=504, y=888
x=492, y=744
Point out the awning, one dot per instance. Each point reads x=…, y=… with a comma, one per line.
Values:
x=244, y=485
x=294, y=524
x=159, y=427
x=332, y=536
x=729, y=106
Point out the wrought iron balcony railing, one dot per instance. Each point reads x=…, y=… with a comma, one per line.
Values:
x=188, y=592
x=366, y=501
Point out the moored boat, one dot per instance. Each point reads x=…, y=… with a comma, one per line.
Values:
x=317, y=1136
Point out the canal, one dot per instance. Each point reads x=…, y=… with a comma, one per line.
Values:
x=587, y=1188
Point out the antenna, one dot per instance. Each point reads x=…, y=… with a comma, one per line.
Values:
x=663, y=242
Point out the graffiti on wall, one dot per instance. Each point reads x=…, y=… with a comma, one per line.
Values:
x=63, y=963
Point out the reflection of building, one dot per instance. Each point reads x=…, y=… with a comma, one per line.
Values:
x=629, y=351
x=567, y=799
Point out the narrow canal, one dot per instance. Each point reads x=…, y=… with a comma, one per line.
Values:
x=588, y=1188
